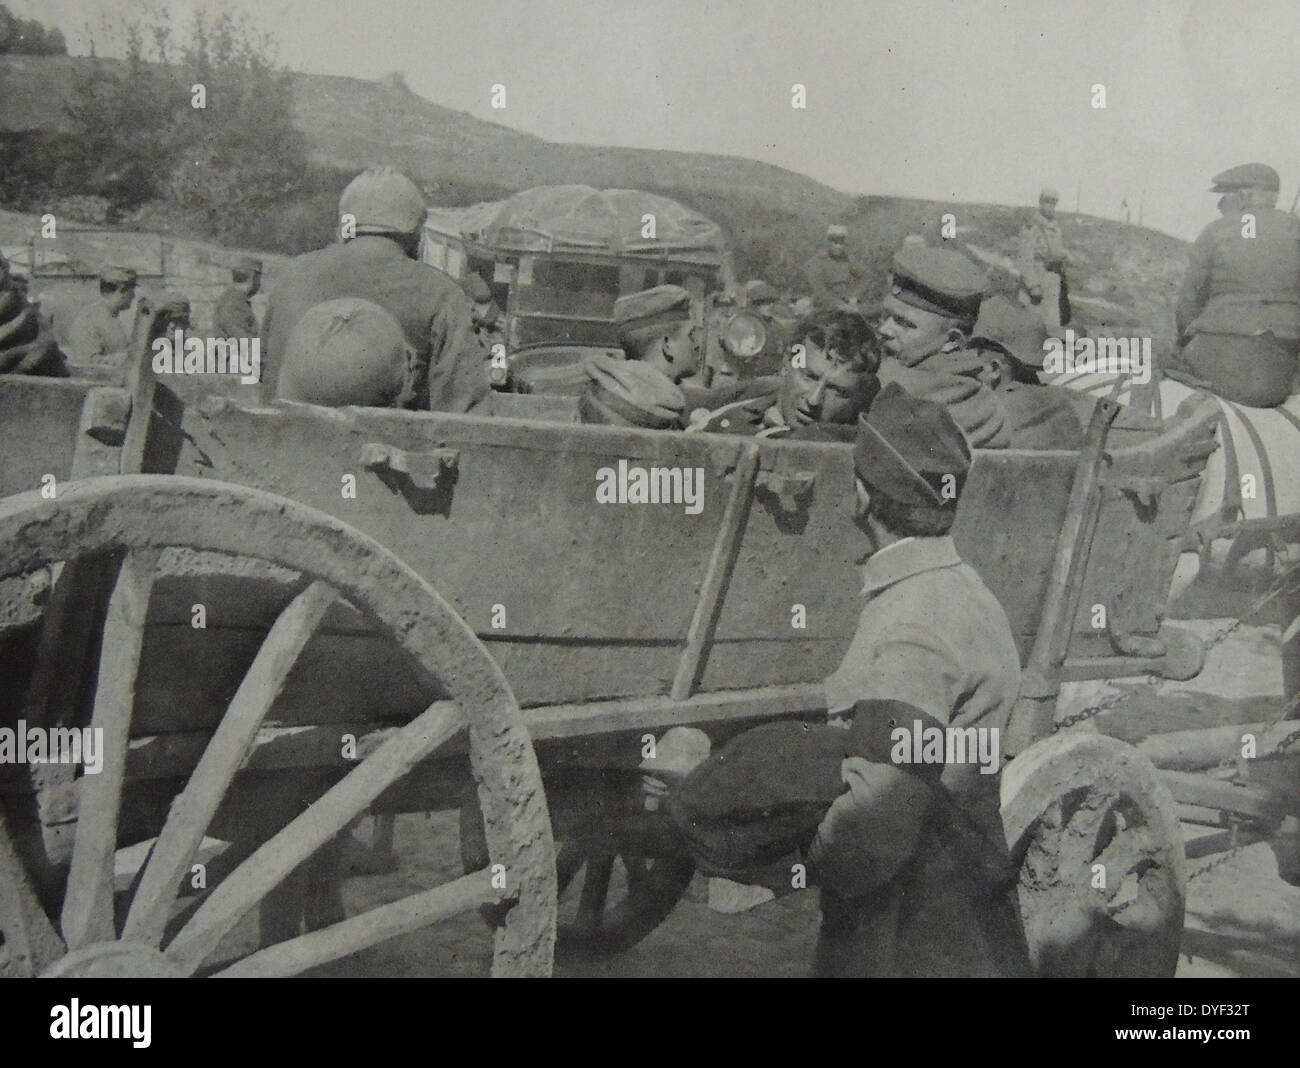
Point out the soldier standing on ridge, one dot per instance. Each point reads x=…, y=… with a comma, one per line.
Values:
x=233, y=315
x=1042, y=259
x=833, y=279
x=1238, y=313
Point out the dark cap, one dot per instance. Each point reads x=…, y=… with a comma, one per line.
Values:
x=907, y=447
x=476, y=289
x=630, y=393
x=118, y=276
x=1012, y=328
x=937, y=280
x=1246, y=176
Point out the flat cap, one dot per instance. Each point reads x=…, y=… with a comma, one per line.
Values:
x=837, y=232
x=759, y=292
x=911, y=451
x=1246, y=176
x=630, y=393
x=669, y=303
x=1048, y=193
x=1013, y=328
x=118, y=276
x=476, y=289
x=938, y=280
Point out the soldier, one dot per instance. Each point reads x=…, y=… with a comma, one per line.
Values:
x=827, y=383
x=657, y=327
x=832, y=278
x=1238, y=314
x=1008, y=339
x=630, y=393
x=99, y=337
x=233, y=315
x=1042, y=259
x=933, y=298
x=908, y=853
x=489, y=326
x=26, y=347
x=382, y=212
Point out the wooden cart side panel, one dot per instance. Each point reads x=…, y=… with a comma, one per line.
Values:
x=39, y=429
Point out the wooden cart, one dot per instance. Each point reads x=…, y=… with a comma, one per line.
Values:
x=286, y=617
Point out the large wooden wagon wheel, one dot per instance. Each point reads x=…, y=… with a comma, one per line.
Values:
x=135, y=518
x=1102, y=872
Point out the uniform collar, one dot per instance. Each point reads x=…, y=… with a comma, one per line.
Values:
x=903, y=559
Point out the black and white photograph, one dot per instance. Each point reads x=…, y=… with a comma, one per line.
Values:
x=650, y=489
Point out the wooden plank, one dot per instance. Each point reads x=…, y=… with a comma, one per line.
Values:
x=30, y=942
x=270, y=864
x=193, y=809
x=1201, y=790
x=1195, y=749
x=718, y=573
x=356, y=933
x=88, y=907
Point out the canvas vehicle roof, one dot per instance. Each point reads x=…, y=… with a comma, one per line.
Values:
x=580, y=219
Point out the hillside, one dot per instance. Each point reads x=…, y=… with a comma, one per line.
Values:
x=774, y=217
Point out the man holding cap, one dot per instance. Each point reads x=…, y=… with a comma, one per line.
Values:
x=233, y=315
x=909, y=856
x=933, y=298
x=832, y=278
x=1238, y=313
x=1008, y=340
x=381, y=213
x=1042, y=259
x=99, y=336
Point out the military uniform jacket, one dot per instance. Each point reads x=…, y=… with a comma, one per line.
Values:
x=1042, y=249
x=1040, y=417
x=1243, y=285
x=832, y=280
x=947, y=376
x=434, y=313
x=98, y=338
x=753, y=409
x=233, y=315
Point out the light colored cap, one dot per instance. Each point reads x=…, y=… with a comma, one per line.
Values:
x=1048, y=193
x=118, y=276
x=1247, y=176
x=383, y=200
x=837, y=232
x=247, y=264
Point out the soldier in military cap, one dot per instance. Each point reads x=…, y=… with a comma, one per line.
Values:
x=1008, y=340
x=233, y=315
x=1238, y=313
x=1042, y=258
x=928, y=311
x=630, y=393
x=657, y=326
x=99, y=336
x=832, y=277
x=489, y=326
x=909, y=856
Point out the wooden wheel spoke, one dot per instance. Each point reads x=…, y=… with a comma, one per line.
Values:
x=88, y=906
x=192, y=811
x=595, y=891
x=302, y=836
x=356, y=933
x=29, y=939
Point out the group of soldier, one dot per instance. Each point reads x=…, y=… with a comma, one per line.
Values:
x=909, y=857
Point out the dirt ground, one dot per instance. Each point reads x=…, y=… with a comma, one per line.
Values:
x=1242, y=919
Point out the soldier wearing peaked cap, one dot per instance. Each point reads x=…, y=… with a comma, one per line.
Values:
x=99, y=336
x=933, y=298
x=833, y=279
x=658, y=327
x=909, y=856
x=234, y=315
x=1238, y=312
x=381, y=213
x=1042, y=258
x=1008, y=340
x=630, y=393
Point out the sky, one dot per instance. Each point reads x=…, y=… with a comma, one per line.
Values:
x=967, y=101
